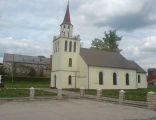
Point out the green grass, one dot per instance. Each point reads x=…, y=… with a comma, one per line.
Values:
x=23, y=82
x=73, y=89
x=44, y=93
x=9, y=93
x=139, y=94
x=136, y=95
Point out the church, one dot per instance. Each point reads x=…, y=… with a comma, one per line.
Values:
x=76, y=67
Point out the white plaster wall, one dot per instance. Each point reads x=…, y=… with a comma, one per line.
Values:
x=62, y=79
x=60, y=63
x=82, y=74
x=60, y=59
x=143, y=80
x=108, y=78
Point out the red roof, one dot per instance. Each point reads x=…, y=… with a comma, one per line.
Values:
x=67, y=16
x=151, y=78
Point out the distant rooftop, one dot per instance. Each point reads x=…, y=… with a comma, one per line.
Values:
x=151, y=69
x=25, y=59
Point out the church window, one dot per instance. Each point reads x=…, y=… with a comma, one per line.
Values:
x=70, y=46
x=68, y=34
x=139, y=79
x=69, y=80
x=66, y=45
x=54, y=47
x=127, y=79
x=70, y=62
x=100, y=78
x=54, y=80
x=74, y=46
x=64, y=26
x=58, y=46
x=114, y=79
x=68, y=27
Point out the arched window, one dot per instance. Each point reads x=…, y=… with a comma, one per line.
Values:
x=54, y=49
x=66, y=45
x=100, y=78
x=69, y=80
x=70, y=62
x=70, y=46
x=139, y=79
x=74, y=46
x=114, y=79
x=58, y=46
x=54, y=80
x=127, y=79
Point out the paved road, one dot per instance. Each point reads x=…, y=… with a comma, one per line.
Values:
x=72, y=109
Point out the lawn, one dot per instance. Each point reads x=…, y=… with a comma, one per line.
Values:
x=26, y=82
x=9, y=93
x=136, y=95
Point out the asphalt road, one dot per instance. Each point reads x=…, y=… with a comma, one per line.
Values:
x=77, y=109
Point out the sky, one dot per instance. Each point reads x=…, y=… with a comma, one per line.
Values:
x=28, y=26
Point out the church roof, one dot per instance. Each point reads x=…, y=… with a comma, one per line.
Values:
x=67, y=16
x=99, y=58
x=138, y=68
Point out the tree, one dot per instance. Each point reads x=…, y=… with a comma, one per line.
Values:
x=109, y=42
x=32, y=72
x=2, y=70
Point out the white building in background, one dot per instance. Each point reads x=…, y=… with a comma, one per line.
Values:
x=24, y=65
x=76, y=67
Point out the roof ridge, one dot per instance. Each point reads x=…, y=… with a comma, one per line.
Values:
x=23, y=55
x=100, y=50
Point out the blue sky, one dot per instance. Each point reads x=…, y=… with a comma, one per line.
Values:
x=28, y=26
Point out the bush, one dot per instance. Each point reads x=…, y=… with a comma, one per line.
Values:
x=32, y=72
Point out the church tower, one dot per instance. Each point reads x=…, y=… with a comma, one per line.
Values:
x=66, y=48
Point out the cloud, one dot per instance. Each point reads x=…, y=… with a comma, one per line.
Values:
x=28, y=26
x=143, y=52
x=23, y=46
x=126, y=15
x=128, y=22
x=149, y=45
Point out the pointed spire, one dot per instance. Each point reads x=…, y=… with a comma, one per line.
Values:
x=67, y=16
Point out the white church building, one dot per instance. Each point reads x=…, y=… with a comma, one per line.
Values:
x=76, y=67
